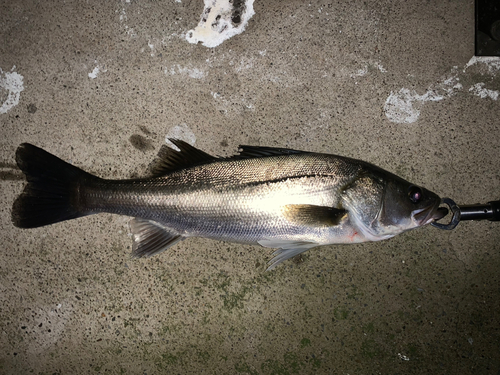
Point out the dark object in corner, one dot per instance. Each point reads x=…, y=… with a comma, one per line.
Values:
x=487, y=30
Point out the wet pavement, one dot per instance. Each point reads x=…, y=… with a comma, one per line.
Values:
x=103, y=84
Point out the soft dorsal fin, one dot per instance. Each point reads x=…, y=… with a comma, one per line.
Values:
x=247, y=152
x=313, y=216
x=170, y=160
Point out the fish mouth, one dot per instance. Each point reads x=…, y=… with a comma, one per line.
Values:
x=429, y=214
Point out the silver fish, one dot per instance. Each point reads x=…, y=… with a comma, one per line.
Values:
x=279, y=198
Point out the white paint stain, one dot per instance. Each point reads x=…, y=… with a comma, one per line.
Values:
x=479, y=90
x=403, y=106
x=123, y=18
x=380, y=67
x=234, y=103
x=360, y=72
x=491, y=62
x=365, y=69
x=182, y=132
x=244, y=64
x=130, y=31
x=187, y=71
x=218, y=97
x=123, y=15
x=12, y=82
x=95, y=72
x=217, y=22
x=152, y=48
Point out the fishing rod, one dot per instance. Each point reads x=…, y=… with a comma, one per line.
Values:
x=489, y=211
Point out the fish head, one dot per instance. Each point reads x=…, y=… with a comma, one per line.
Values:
x=384, y=205
x=408, y=206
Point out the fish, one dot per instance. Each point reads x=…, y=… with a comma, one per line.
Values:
x=279, y=198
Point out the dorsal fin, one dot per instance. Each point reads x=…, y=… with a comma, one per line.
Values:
x=170, y=160
x=247, y=152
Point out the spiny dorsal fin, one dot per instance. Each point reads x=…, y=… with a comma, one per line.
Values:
x=248, y=152
x=313, y=216
x=170, y=160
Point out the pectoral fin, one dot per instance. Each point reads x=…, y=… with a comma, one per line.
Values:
x=150, y=238
x=311, y=215
x=286, y=249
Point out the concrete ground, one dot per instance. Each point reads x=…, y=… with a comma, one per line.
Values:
x=102, y=83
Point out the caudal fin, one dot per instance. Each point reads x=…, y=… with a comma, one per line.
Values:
x=52, y=191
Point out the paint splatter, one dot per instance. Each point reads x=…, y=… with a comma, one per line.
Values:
x=479, y=90
x=244, y=64
x=188, y=71
x=12, y=82
x=364, y=71
x=232, y=105
x=152, y=48
x=123, y=18
x=403, y=106
x=221, y=20
x=492, y=63
x=95, y=72
x=360, y=72
x=182, y=132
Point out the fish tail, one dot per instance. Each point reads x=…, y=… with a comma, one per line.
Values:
x=52, y=192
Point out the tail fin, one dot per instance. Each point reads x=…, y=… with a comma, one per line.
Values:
x=52, y=191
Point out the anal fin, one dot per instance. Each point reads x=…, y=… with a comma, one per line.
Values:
x=286, y=249
x=150, y=238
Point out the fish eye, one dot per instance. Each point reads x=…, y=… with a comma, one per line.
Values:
x=415, y=194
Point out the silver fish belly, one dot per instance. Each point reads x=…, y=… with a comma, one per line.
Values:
x=279, y=198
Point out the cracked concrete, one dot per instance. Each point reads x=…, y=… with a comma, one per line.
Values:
x=101, y=84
